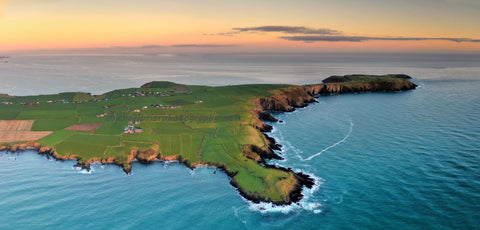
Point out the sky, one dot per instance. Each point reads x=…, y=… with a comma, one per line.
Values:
x=240, y=26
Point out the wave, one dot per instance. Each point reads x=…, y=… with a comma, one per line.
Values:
x=84, y=171
x=305, y=204
x=329, y=147
x=274, y=130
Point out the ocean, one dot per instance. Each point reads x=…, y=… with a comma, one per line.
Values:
x=406, y=160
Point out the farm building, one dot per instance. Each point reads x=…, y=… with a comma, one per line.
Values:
x=130, y=129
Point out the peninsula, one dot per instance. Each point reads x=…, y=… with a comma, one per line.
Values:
x=222, y=127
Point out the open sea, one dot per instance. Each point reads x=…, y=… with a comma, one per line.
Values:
x=408, y=160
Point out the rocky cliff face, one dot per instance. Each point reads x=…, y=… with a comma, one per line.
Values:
x=362, y=83
x=300, y=96
x=357, y=87
x=286, y=101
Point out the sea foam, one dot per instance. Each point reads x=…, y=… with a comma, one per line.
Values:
x=305, y=204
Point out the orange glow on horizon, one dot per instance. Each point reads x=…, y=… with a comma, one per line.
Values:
x=52, y=24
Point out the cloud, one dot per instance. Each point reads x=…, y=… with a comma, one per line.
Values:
x=151, y=46
x=205, y=45
x=310, y=39
x=228, y=34
x=310, y=35
x=281, y=29
x=146, y=47
x=287, y=30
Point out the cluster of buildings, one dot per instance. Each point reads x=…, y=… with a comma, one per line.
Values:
x=58, y=101
x=30, y=104
x=142, y=94
x=159, y=106
x=64, y=101
x=102, y=115
x=131, y=129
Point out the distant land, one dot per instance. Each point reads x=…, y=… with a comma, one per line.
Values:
x=221, y=127
x=4, y=57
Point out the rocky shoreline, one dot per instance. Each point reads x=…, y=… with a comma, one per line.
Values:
x=301, y=96
x=286, y=100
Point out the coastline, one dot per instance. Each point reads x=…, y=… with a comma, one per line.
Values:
x=282, y=100
x=300, y=97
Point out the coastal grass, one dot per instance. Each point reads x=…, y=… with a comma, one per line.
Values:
x=82, y=97
x=9, y=112
x=45, y=114
x=50, y=107
x=53, y=124
x=127, y=146
x=89, y=109
x=8, y=115
x=40, y=98
x=56, y=137
x=86, y=146
x=146, y=136
x=111, y=127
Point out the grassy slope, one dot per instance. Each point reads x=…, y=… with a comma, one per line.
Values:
x=220, y=143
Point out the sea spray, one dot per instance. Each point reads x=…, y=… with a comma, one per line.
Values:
x=305, y=204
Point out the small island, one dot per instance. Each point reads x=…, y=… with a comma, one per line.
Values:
x=222, y=127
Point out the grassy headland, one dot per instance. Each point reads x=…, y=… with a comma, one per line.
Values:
x=196, y=125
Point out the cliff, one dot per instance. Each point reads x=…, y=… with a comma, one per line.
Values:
x=362, y=83
x=286, y=100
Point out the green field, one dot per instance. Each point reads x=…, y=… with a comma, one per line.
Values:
x=86, y=146
x=216, y=127
x=53, y=124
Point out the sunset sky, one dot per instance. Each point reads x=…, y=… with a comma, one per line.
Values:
x=247, y=25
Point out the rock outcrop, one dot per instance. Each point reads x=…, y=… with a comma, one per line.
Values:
x=362, y=83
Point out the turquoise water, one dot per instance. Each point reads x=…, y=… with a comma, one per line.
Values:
x=395, y=161
x=382, y=161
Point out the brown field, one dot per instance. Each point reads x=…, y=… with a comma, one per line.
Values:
x=19, y=130
x=15, y=125
x=84, y=127
x=14, y=136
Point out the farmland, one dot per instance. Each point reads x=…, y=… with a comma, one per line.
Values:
x=196, y=125
x=83, y=127
x=19, y=130
x=78, y=129
x=16, y=125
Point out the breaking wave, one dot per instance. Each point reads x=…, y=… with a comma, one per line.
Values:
x=304, y=204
